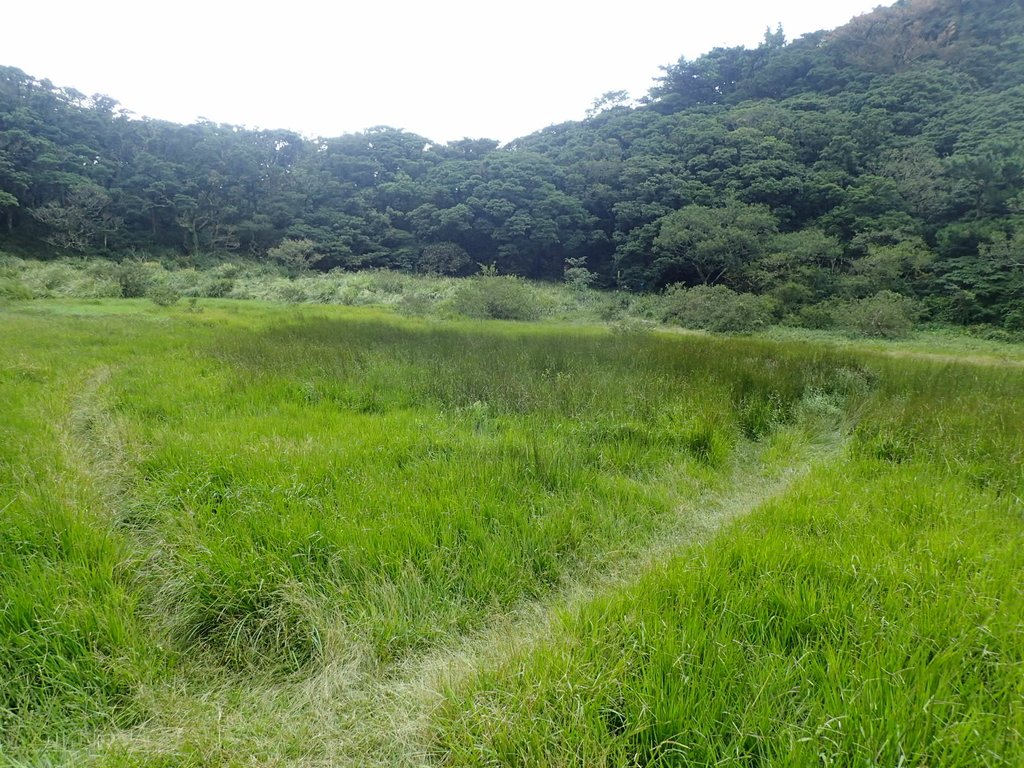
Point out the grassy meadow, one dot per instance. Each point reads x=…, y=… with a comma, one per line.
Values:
x=251, y=533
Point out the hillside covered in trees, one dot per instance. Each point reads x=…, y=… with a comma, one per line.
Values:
x=887, y=155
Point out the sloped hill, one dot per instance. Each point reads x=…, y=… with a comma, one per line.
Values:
x=886, y=155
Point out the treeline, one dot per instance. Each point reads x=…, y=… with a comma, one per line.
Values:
x=887, y=155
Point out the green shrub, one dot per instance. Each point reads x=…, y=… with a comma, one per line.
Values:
x=134, y=279
x=296, y=256
x=9, y=263
x=386, y=281
x=613, y=306
x=792, y=296
x=577, y=276
x=997, y=333
x=886, y=314
x=1013, y=320
x=187, y=281
x=443, y=259
x=163, y=294
x=11, y=288
x=714, y=308
x=497, y=297
x=227, y=271
x=292, y=294
x=217, y=287
x=46, y=279
x=415, y=304
x=817, y=316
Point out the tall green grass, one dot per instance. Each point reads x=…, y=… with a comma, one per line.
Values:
x=210, y=512
x=871, y=617
x=259, y=490
x=74, y=642
x=397, y=482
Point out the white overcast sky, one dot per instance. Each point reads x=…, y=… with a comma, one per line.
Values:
x=441, y=68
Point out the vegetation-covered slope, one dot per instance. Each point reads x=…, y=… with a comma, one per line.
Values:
x=885, y=155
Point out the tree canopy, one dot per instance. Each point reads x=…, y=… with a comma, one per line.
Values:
x=885, y=155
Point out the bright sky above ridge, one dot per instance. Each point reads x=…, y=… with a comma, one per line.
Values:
x=444, y=69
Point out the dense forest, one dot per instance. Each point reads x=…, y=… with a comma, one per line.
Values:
x=886, y=155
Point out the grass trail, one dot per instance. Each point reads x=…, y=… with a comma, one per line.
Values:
x=872, y=615
x=354, y=712
x=312, y=537
x=763, y=473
